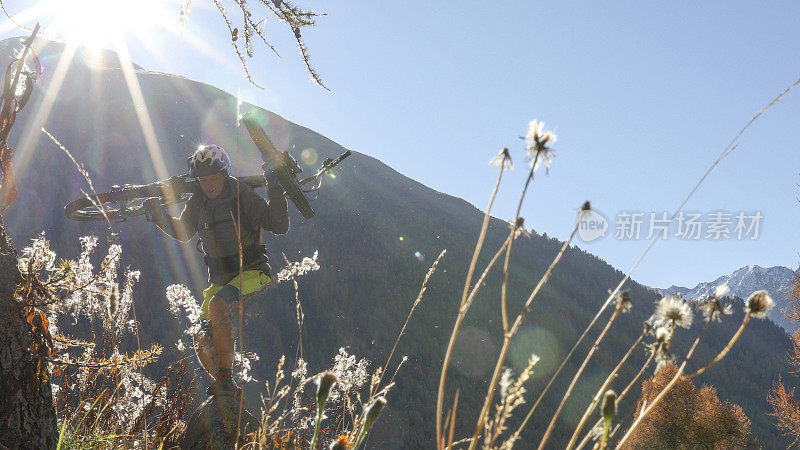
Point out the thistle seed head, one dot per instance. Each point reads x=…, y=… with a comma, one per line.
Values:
x=721, y=291
x=713, y=309
x=536, y=141
x=758, y=304
x=504, y=158
x=623, y=300
x=662, y=335
x=659, y=348
x=519, y=228
x=673, y=310
x=649, y=325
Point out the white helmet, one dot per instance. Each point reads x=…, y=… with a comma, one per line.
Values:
x=208, y=160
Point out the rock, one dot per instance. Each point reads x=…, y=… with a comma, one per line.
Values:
x=213, y=424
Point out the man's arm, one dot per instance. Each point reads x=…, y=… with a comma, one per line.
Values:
x=181, y=228
x=272, y=215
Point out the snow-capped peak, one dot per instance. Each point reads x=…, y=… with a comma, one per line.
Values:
x=778, y=281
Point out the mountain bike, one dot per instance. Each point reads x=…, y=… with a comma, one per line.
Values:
x=123, y=202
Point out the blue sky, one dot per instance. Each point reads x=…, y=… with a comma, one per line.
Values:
x=642, y=95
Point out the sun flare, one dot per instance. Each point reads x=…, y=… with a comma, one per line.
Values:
x=95, y=23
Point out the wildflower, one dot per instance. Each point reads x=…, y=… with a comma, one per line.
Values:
x=721, y=291
x=297, y=269
x=713, y=309
x=351, y=375
x=37, y=256
x=179, y=297
x=300, y=371
x=758, y=304
x=623, y=300
x=245, y=365
x=505, y=382
x=536, y=145
x=504, y=158
x=675, y=311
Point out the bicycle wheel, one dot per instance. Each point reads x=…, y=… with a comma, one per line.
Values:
x=118, y=204
x=128, y=201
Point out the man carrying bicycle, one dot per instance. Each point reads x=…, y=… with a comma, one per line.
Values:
x=225, y=214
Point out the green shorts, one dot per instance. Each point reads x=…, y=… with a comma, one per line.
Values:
x=250, y=281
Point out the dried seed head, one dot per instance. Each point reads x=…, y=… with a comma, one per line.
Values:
x=662, y=335
x=758, y=304
x=659, y=348
x=518, y=228
x=609, y=405
x=504, y=158
x=713, y=309
x=649, y=325
x=623, y=300
x=536, y=141
x=325, y=382
x=721, y=291
x=674, y=310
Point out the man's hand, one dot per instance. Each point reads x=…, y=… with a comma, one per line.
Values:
x=274, y=187
x=151, y=207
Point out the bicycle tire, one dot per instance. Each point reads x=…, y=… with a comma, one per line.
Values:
x=85, y=209
x=276, y=162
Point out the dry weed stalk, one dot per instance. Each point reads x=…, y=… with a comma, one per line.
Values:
x=504, y=157
x=647, y=328
x=515, y=328
x=621, y=304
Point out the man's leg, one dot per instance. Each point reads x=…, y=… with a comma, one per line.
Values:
x=205, y=352
x=222, y=338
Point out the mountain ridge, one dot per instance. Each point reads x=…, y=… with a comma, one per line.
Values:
x=778, y=281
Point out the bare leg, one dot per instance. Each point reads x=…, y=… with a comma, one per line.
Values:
x=205, y=354
x=222, y=334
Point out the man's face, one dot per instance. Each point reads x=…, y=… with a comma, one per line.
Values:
x=212, y=184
